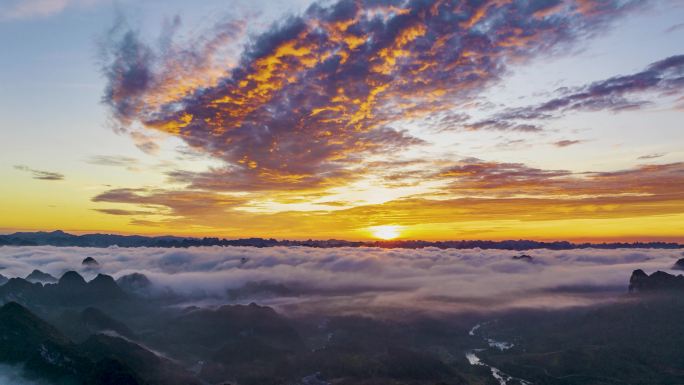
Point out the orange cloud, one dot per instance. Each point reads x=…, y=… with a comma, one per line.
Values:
x=320, y=91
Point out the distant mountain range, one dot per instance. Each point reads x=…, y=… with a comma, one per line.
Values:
x=60, y=238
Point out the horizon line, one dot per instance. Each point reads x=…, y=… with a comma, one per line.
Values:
x=370, y=242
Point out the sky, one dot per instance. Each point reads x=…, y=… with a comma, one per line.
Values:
x=430, y=119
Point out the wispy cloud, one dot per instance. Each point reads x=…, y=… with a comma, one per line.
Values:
x=179, y=203
x=124, y=212
x=676, y=27
x=27, y=9
x=567, y=143
x=40, y=174
x=113, y=161
x=615, y=94
x=652, y=156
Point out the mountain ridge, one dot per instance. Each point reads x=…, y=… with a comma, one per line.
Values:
x=63, y=239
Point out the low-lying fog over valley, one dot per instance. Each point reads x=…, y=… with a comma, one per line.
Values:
x=339, y=316
x=359, y=280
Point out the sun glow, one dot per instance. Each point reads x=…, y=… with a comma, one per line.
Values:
x=386, y=232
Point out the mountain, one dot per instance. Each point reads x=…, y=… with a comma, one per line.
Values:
x=71, y=281
x=44, y=351
x=679, y=265
x=99, y=332
x=109, y=371
x=79, y=325
x=658, y=281
x=38, y=276
x=633, y=342
x=154, y=369
x=60, y=238
x=213, y=328
x=135, y=283
x=90, y=262
x=70, y=289
x=104, y=287
x=19, y=289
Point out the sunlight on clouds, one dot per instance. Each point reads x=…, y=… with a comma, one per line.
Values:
x=362, y=120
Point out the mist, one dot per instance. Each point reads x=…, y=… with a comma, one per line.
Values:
x=13, y=375
x=360, y=279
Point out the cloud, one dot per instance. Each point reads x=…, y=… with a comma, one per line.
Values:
x=317, y=103
x=124, y=212
x=469, y=190
x=173, y=203
x=472, y=173
x=145, y=143
x=500, y=125
x=27, y=9
x=566, y=143
x=114, y=161
x=675, y=27
x=362, y=279
x=652, y=156
x=616, y=94
x=664, y=76
x=481, y=178
x=318, y=93
x=40, y=174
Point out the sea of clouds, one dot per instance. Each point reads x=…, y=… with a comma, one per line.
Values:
x=351, y=279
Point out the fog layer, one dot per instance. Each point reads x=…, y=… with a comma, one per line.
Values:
x=349, y=279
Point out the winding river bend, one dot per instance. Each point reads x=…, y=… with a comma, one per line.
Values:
x=501, y=377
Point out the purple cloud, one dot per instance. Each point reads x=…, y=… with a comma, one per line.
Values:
x=317, y=93
x=40, y=174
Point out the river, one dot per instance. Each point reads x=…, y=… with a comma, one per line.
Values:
x=473, y=359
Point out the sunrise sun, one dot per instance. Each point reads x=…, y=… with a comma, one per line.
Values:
x=386, y=232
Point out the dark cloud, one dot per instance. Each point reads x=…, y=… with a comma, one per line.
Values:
x=123, y=212
x=495, y=177
x=184, y=203
x=482, y=178
x=477, y=178
x=40, y=174
x=113, y=161
x=651, y=156
x=567, y=143
x=318, y=92
x=616, y=94
x=664, y=76
x=500, y=125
